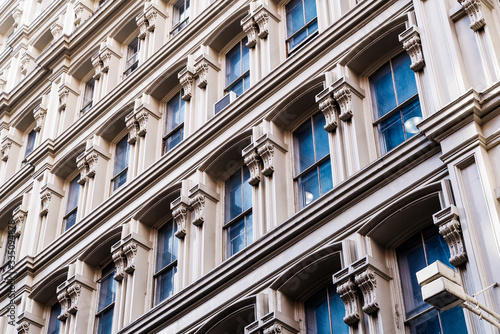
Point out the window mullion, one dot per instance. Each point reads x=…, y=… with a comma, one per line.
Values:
x=394, y=82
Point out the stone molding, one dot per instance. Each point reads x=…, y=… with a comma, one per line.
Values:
x=87, y=162
x=253, y=162
x=198, y=197
x=186, y=78
x=46, y=194
x=39, y=114
x=179, y=209
x=410, y=39
x=19, y=216
x=27, y=320
x=273, y=323
x=473, y=9
x=124, y=254
x=69, y=292
x=6, y=145
x=451, y=230
x=202, y=66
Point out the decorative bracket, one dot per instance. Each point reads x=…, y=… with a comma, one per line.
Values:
x=328, y=107
x=343, y=97
x=19, y=216
x=367, y=283
x=347, y=292
x=473, y=9
x=63, y=300
x=252, y=160
x=411, y=43
x=198, y=205
x=39, y=115
x=119, y=260
x=251, y=29
x=133, y=128
x=179, y=212
x=186, y=78
x=450, y=229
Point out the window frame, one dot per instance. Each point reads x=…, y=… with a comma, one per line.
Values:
x=183, y=22
x=170, y=266
x=132, y=66
x=309, y=37
x=49, y=313
x=67, y=213
x=110, y=306
x=239, y=41
x=180, y=126
x=115, y=175
x=87, y=104
x=28, y=133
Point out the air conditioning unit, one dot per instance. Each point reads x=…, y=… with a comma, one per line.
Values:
x=224, y=102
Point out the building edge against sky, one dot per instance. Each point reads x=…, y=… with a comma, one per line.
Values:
x=243, y=166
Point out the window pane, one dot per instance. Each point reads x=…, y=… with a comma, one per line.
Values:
x=294, y=16
x=73, y=190
x=234, y=200
x=54, y=323
x=382, y=90
x=173, y=118
x=245, y=56
x=249, y=229
x=304, y=146
x=337, y=312
x=165, y=251
x=105, y=322
x=30, y=145
x=238, y=87
x=310, y=6
x=121, y=156
x=325, y=176
x=317, y=315
x=404, y=77
x=412, y=115
x=320, y=136
x=70, y=220
x=165, y=284
x=297, y=39
x=107, y=291
x=436, y=247
x=425, y=324
x=453, y=321
x=236, y=237
x=247, y=189
x=392, y=131
x=312, y=27
x=411, y=259
x=308, y=187
x=233, y=64
x=173, y=140
x=120, y=180
x=246, y=83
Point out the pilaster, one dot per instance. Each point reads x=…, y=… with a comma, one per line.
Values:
x=206, y=69
x=273, y=323
x=51, y=200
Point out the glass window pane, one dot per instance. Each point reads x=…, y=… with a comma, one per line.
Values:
x=54, y=323
x=392, y=131
x=165, y=284
x=121, y=156
x=320, y=136
x=294, y=17
x=411, y=258
x=173, y=140
x=105, y=322
x=120, y=180
x=425, y=324
x=233, y=64
x=325, y=176
x=249, y=228
x=73, y=191
x=234, y=200
x=337, y=312
x=236, y=237
x=317, y=315
x=304, y=146
x=247, y=189
x=70, y=221
x=382, y=90
x=107, y=291
x=246, y=83
x=310, y=6
x=435, y=246
x=238, y=87
x=245, y=56
x=453, y=321
x=30, y=145
x=297, y=39
x=404, y=77
x=165, y=250
x=412, y=115
x=312, y=27
x=308, y=187
x=173, y=113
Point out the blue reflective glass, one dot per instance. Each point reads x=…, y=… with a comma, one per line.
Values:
x=325, y=176
x=453, y=321
x=317, y=314
x=234, y=196
x=247, y=189
x=426, y=324
x=172, y=140
x=105, y=322
x=70, y=220
x=294, y=16
x=249, y=229
x=392, y=131
x=308, y=187
x=120, y=180
x=121, y=156
x=166, y=253
x=312, y=27
x=233, y=65
x=236, y=237
x=238, y=87
x=412, y=115
x=382, y=88
x=107, y=290
x=54, y=323
x=30, y=145
x=73, y=191
x=297, y=39
x=245, y=56
x=436, y=247
x=304, y=146
x=337, y=312
x=165, y=284
x=310, y=9
x=404, y=77
x=320, y=136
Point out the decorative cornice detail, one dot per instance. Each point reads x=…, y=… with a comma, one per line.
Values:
x=74, y=291
x=347, y=292
x=251, y=29
x=179, y=212
x=262, y=20
x=124, y=254
x=253, y=162
x=142, y=23
x=367, y=283
x=451, y=230
x=473, y=9
x=343, y=97
x=97, y=64
x=27, y=63
x=328, y=107
x=5, y=148
x=63, y=300
x=186, y=78
x=45, y=198
x=130, y=252
x=133, y=128
x=411, y=43
x=19, y=216
x=151, y=15
x=23, y=327
x=202, y=73
x=266, y=153
x=39, y=115
x=56, y=30
x=198, y=205
x=83, y=167
x=119, y=260
x=142, y=117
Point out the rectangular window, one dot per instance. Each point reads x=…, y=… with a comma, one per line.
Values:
x=30, y=143
x=88, y=95
x=301, y=22
x=54, y=323
x=238, y=68
x=132, y=56
x=238, y=211
x=121, y=163
x=325, y=312
x=107, y=288
x=312, y=159
x=72, y=205
x=414, y=254
x=174, y=122
x=395, y=100
x=166, y=261
x=180, y=16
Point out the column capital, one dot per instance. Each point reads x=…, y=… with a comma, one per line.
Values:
x=124, y=253
x=343, y=91
x=198, y=196
x=266, y=146
x=46, y=194
x=186, y=78
x=252, y=159
x=327, y=106
x=473, y=9
x=451, y=230
x=251, y=29
x=202, y=65
x=19, y=216
x=179, y=209
x=142, y=23
x=39, y=114
x=132, y=126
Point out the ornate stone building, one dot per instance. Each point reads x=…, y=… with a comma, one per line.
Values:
x=248, y=166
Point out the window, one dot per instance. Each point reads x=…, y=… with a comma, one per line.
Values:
x=88, y=95
x=238, y=68
x=301, y=22
x=72, y=206
x=107, y=288
x=395, y=101
x=325, y=312
x=312, y=159
x=54, y=323
x=166, y=261
x=30, y=143
x=413, y=255
x=181, y=16
x=238, y=211
x=121, y=163
x=132, y=56
x=174, y=122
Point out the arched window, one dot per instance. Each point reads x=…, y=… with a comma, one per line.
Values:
x=54, y=323
x=173, y=132
x=238, y=68
x=166, y=261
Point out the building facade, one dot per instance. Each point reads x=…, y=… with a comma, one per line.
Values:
x=247, y=166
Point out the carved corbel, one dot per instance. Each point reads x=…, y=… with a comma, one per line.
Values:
x=63, y=98
x=142, y=23
x=262, y=20
x=106, y=59
x=39, y=115
x=186, y=78
x=27, y=63
x=130, y=252
x=133, y=128
x=16, y=14
x=202, y=73
x=56, y=30
x=367, y=284
x=74, y=297
x=179, y=212
x=92, y=158
x=198, y=206
x=347, y=292
x=3, y=83
x=5, y=149
x=63, y=300
x=23, y=327
x=79, y=9
x=252, y=160
x=97, y=64
x=19, y=217
x=473, y=9
x=119, y=260
x=45, y=198
x=251, y=29
x=83, y=167
x=266, y=153
x=450, y=229
x=151, y=15
x=142, y=120
x=328, y=108
x=343, y=97
x=411, y=43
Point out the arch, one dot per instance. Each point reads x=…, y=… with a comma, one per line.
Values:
x=25, y=118
x=159, y=206
x=166, y=81
x=388, y=226
x=243, y=308
x=82, y=66
x=6, y=211
x=313, y=271
x=7, y=24
x=45, y=290
x=292, y=107
x=225, y=32
x=123, y=31
x=227, y=157
x=115, y=123
x=43, y=40
x=100, y=249
x=67, y=164
x=375, y=47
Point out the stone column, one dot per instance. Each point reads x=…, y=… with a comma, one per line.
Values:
x=68, y=98
x=207, y=69
x=10, y=149
x=51, y=201
x=107, y=67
